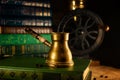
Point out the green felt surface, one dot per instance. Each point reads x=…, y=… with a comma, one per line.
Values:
x=33, y=62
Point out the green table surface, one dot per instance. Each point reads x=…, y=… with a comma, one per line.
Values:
x=34, y=68
x=30, y=63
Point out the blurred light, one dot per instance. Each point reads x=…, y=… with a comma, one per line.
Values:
x=73, y=2
x=73, y=5
x=81, y=5
x=73, y=8
x=107, y=28
x=75, y=18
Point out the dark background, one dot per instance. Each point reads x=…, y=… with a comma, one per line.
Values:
x=109, y=52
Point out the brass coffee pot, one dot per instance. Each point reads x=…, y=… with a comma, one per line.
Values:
x=59, y=54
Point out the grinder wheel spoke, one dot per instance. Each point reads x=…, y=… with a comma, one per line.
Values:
x=86, y=31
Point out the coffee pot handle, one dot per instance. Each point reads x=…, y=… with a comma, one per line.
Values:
x=37, y=36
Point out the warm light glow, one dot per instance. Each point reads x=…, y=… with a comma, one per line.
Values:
x=107, y=28
x=73, y=5
x=40, y=13
x=73, y=8
x=73, y=2
x=81, y=5
x=75, y=18
x=81, y=2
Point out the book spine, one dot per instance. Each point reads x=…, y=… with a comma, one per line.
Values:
x=41, y=15
x=37, y=74
x=30, y=22
x=29, y=11
x=13, y=74
x=33, y=50
x=21, y=30
x=21, y=39
x=0, y=29
x=38, y=3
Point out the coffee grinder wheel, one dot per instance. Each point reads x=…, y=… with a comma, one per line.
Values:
x=86, y=31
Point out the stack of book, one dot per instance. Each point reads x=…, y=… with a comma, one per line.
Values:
x=16, y=15
x=34, y=68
